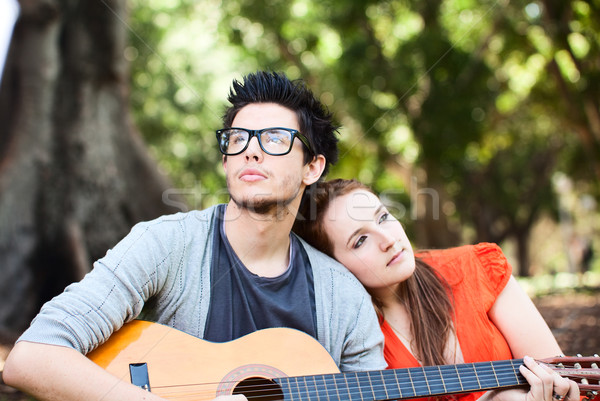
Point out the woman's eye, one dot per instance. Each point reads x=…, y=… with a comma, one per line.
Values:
x=359, y=241
x=383, y=217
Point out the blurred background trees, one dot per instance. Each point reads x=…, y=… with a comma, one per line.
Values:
x=463, y=113
x=476, y=120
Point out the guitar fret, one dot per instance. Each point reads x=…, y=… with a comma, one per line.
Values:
x=506, y=373
x=426, y=380
x=308, y=393
x=316, y=388
x=434, y=380
x=341, y=384
x=308, y=390
x=405, y=382
x=392, y=388
x=330, y=391
x=442, y=379
x=398, y=383
x=284, y=383
x=293, y=389
x=377, y=385
x=364, y=381
x=337, y=387
x=371, y=385
x=451, y=379
x=299, y=392
x=476, y=376
x=419, y=381
x=459, y=378
x=515, y=369
x=327, y=388
x=353, y=386
x=358, y=386
x=412, y=384
x=494, y=371
x=486, y=376
x=387, y=395
x=469, y=379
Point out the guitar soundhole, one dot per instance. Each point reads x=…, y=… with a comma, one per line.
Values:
x=259, y=388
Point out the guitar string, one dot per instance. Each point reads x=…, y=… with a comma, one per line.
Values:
x=495, y=371
x=302, y=394
x=483, y=376
x=262, y=395
x=498, y=373
x=330, y=380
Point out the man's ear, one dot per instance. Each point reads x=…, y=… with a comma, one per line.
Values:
x=314, y=169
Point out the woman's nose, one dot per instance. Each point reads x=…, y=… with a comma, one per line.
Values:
x=387, y=240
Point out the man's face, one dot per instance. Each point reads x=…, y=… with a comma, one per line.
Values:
x=260, y=182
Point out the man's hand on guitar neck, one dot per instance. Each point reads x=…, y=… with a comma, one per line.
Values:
x=546, y=385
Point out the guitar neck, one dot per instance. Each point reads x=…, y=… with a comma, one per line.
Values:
x=393, y=384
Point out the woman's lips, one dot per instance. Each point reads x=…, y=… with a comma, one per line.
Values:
x=396, y=258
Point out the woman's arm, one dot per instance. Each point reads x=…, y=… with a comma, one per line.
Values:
x=522, y=325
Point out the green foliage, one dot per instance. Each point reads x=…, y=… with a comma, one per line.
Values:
x=181, y=70
x=488, y=100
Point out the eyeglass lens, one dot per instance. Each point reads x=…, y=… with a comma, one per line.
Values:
x=275, y=141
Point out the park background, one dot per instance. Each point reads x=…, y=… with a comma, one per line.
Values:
x=477, y=120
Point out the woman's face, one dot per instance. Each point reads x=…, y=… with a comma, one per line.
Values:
x=368, y=240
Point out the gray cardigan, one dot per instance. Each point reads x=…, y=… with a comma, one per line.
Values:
x=161, y=272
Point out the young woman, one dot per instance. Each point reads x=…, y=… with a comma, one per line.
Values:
x=435, y=307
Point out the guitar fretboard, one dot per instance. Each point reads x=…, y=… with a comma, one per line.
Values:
x=396, y=384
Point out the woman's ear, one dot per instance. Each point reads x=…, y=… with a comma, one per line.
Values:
x=314, y=169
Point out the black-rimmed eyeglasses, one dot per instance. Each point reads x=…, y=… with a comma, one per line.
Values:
x=274, y=141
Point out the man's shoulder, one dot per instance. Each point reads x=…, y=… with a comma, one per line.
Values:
x=192, y=217
x=178, y=225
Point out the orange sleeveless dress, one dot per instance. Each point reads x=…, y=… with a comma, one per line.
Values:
x=477, y=274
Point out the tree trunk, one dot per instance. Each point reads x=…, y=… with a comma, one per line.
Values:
x=432, y=228
x=523, y=260
x=74, y=172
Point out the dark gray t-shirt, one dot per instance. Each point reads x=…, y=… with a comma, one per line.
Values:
x=243, y=302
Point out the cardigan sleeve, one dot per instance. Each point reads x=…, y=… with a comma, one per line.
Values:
x=113, y=292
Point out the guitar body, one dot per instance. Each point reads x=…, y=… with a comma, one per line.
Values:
x=282, y=363
x=181, y=365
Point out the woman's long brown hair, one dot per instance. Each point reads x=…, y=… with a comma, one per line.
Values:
x=426, y=296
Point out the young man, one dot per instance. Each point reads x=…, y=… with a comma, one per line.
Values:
x=219, y=273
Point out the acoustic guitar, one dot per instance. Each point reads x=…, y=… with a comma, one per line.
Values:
x=287, y=364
